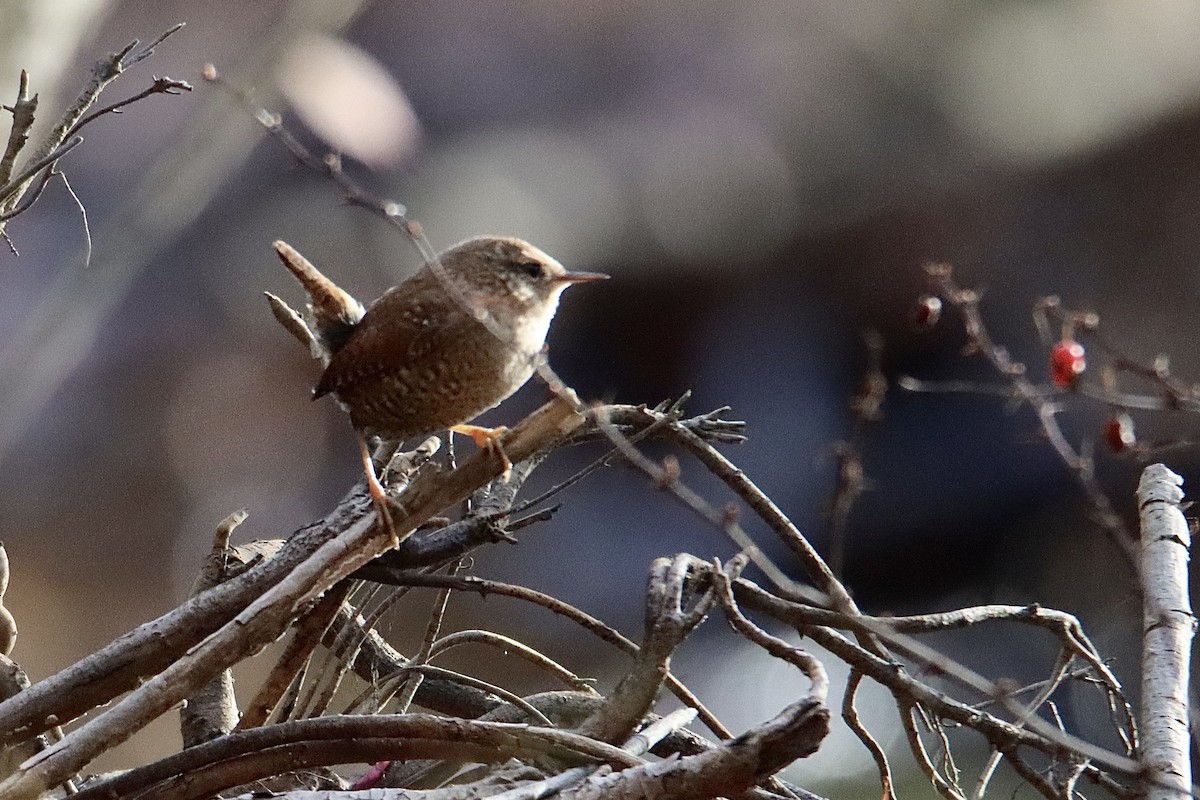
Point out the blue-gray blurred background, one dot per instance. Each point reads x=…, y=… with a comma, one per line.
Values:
x=762, y=179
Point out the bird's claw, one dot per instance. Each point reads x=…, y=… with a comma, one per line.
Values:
x=488, y=439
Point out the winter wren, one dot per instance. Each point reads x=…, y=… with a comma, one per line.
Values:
x=436, y=351
x=428, y=356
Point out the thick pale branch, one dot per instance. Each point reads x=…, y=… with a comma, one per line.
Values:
x=1167, y=629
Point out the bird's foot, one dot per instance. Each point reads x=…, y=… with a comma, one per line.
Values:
x=488, y=439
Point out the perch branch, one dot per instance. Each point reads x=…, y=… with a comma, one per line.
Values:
x=267, y=616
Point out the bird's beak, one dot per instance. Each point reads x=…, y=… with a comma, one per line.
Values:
x=581, y=277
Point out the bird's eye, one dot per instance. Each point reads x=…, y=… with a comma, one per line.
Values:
x=531, y=268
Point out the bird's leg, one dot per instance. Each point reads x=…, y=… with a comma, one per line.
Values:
x=378, y=494
x=488, y=439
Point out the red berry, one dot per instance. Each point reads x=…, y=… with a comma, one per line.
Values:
x=927, y=312
x=1067, y=362
x=1118, y=432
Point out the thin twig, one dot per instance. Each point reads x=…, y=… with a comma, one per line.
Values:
x=854, y=722
x=468, y=680
x=917, y=747
x=1037, y=734
x=354, y=634
x=798, y=658
x=306, y=636
x=589, y=623
x=87, y=229
x=511, y=646
x=9, y=190
x=163, y=85
x=866, y=409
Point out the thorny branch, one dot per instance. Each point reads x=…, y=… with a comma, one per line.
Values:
x=1043, y=402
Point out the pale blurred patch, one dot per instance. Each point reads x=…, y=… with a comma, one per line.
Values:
x=236, y=438
x=267, y=504
x=42, y=38
x=348, y=99
x=1037, y=81
x=547, y=186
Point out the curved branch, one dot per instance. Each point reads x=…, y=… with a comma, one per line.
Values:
x=333, y=740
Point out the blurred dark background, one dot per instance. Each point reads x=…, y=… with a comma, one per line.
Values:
x=763, y=180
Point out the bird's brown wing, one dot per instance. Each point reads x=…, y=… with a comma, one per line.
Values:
x=396, y=332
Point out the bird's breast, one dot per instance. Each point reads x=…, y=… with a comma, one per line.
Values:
x=529, y=332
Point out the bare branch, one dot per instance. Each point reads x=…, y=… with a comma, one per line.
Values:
x=268, y=616
x=467, y=680
x=163, y=85
x=803, y=661
x=726, y=770
x=87, y=228
x=581, y=618
x=437, y=617
x=866, y=409
x=307, y=634
x=669, y=619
